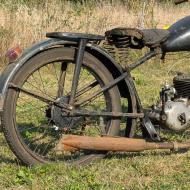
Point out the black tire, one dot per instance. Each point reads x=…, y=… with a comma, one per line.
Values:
x=9, y=119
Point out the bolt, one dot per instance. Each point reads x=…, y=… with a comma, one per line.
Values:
x=163, y=117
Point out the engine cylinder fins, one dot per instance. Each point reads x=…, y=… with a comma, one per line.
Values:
x=182, y=85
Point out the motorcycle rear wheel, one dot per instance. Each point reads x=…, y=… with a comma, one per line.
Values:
x=33, y=128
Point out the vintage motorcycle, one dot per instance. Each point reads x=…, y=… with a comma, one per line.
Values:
x=61, y=99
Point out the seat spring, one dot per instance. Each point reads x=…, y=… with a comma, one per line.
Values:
x=119, y=54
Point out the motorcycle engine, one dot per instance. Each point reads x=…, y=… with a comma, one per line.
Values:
x=178, y=114
x=177, y=104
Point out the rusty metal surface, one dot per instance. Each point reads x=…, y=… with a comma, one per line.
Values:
x=74, y=142
x=107, y=114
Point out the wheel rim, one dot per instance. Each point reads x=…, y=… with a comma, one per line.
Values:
x=35, y=128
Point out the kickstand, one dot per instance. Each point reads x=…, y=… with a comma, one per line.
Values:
x=149, y=130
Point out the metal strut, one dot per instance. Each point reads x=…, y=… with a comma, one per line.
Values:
x=74, y=112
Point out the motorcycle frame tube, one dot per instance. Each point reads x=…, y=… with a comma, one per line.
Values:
x=148, y=130
x=79, y=59
x=124, y=75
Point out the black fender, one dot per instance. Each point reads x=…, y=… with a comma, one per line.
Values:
x=114, y=68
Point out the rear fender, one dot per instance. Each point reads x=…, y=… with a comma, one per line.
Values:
x=114, y=68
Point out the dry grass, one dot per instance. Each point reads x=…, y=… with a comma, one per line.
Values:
x=149, y=170
x=25, y=25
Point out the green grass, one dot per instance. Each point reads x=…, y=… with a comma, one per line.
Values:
x=146, y=170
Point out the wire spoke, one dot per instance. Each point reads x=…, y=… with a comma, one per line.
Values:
x=61, y=80
x=56, y=75
x=41, y=90
x=35, y=115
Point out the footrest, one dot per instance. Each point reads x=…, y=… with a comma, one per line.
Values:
x=74, y=36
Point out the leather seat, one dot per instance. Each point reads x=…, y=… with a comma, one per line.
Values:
x=154, y=37
x=141, y=38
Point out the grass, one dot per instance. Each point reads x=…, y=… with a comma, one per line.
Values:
x=23, y=25
x=148, y=170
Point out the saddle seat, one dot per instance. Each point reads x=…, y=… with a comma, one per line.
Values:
x=125, y=37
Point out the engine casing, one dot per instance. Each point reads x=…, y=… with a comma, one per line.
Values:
x=178, y=115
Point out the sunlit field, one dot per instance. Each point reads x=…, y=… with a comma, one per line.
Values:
x=24, y=23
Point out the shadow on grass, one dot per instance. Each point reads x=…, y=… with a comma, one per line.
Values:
x=6, y=157
x=8, y=160
x=121, y=155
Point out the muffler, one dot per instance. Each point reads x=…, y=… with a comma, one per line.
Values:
x=120, y=144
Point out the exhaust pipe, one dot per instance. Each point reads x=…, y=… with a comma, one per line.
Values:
x=120, y=144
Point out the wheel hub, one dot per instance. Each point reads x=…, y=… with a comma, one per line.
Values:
x=60, y=118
